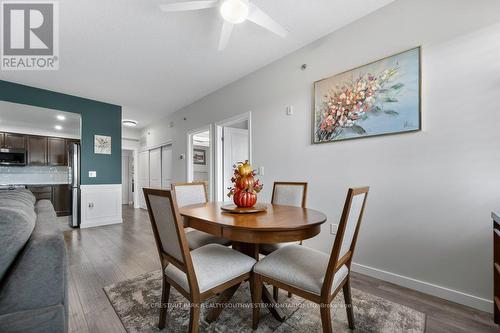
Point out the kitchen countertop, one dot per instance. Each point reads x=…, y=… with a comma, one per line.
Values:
x=37, y=184
x=496, y=217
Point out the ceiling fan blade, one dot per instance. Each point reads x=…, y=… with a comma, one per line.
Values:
x=189, y=5
x=258, y=17
x=227, y=28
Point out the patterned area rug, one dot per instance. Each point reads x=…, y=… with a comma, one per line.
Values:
x=136, y=301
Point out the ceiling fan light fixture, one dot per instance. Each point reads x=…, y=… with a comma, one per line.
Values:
x=235, y=11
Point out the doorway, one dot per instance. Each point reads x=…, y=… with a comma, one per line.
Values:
x=199, y=157
x=234, y=144
x=128, y=177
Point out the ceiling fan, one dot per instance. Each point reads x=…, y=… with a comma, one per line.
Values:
x=233, y=12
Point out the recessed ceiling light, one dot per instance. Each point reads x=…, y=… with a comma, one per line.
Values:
x=61, y=117
x=58, y=127
x=129, y=123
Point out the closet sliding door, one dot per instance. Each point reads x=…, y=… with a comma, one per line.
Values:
x=143, y=176
x=155, y=168
x=166, y=167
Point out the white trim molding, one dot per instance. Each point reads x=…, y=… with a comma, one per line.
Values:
x=219, y=190
x=100, y=205
x=426, y=287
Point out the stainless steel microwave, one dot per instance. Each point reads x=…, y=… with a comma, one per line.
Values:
x=12, y=157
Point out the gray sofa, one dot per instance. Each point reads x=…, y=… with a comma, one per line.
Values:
x=33, y=266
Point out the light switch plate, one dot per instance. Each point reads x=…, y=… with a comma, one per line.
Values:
x=92, y=174
x=289, y=110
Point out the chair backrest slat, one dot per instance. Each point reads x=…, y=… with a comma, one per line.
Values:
x=169, y=233
x=347, y=233
x=289, y=194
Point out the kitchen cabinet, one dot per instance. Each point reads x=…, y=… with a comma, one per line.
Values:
x=41, y=192
x=61, y=199
x=57, y=151
x=14, y=141
x=37, y=150
x=2, y=139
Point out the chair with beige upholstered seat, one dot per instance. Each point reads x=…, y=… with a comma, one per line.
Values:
x=199, y=274
x=288, y=194
x=191, y=194
x=314, y=275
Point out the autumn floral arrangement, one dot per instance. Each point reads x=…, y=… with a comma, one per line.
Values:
x=245, y=186
x=346, y=106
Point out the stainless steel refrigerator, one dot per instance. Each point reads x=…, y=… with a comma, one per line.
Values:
x=74, y=180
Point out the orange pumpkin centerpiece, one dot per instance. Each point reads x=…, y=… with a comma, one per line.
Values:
x=246, y=187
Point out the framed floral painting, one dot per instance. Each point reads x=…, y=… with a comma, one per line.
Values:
x=380, y=98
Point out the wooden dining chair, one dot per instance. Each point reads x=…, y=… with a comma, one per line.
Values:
x=191, y=194
x=314, y=275
x=197, y=275
x=288, y=194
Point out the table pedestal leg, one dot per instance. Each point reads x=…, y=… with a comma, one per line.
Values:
x=252, y=250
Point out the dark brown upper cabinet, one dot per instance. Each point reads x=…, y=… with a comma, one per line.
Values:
x=2, y=138
x=37, y=150
x=14, y=141
x=58, y=155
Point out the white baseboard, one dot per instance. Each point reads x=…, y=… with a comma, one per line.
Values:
x=100, y=205
x=426, y=288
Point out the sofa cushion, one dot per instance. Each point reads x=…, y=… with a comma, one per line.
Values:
x=38, y=278
x=17, y=197
x=16, y=226
x=52, y=319
x=44, y=206
x=46, y=219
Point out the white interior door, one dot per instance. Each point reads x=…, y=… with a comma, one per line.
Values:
x=235, y=150
x=166, y=167
x=125, y=180
x=155, y=168
x=143, y=176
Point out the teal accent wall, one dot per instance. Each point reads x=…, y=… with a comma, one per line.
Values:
x=97, y=118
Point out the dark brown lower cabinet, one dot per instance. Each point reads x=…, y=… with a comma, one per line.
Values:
x=59, y=195
x=61, y=199
x=41, y=192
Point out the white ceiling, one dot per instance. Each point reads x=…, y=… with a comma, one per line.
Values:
x=129, y=53
x=20, y=118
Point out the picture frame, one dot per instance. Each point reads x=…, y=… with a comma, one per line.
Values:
x=102, y=144
x=199, y=157
x=382, y=97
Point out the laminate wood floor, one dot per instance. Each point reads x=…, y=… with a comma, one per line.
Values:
x=105, y=255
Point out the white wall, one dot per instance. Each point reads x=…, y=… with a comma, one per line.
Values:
x=427, y=223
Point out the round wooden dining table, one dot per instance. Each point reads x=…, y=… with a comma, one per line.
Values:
x=277, y=224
